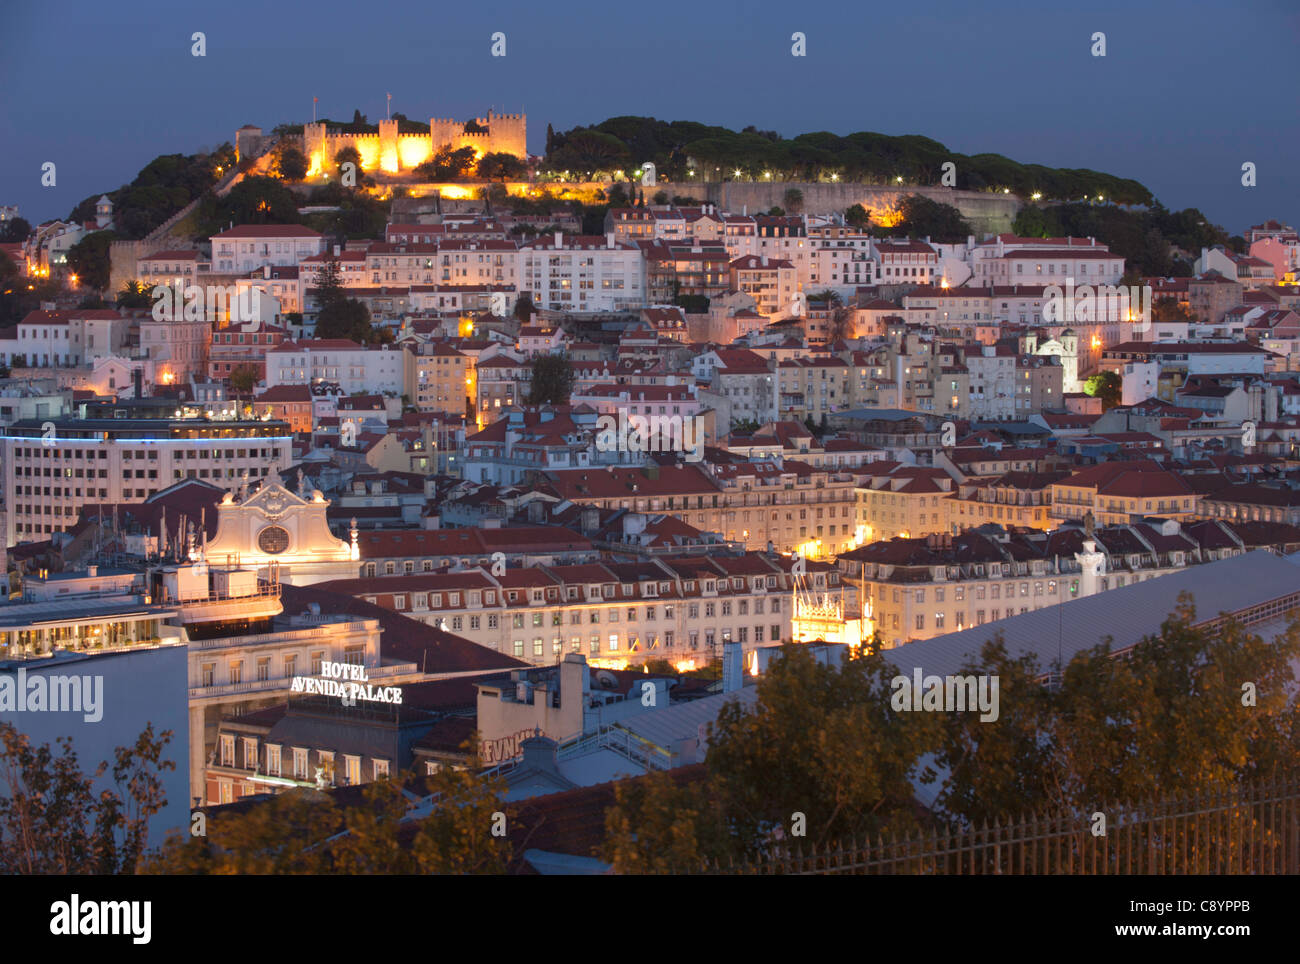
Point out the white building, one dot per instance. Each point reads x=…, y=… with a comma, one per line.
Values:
x=582, y=273
x=354, y=368
x=249, y=247
x=52, y=467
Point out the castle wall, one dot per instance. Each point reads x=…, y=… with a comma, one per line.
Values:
x=394, y=153
x=987, y=213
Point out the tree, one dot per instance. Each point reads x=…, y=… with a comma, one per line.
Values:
x=502, y=166
x=52, y=819
x=858, y=217
x=254, y=200
x=660, y=826
x=1107, y=386
x=924, y=218
x=793, y=199
x=552, y=381
x=1170, y=309
x=524, y=308
x=283, y=835
x=242, y=379
x=134, y=294
x=448, y=164
x=89, y=259
x=1167, y=717
x=291, y=163
x=14, y=230
x=347, y=155
x=824, y=741
x=345, y=318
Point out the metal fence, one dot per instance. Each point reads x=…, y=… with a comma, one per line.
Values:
x=1251, y=829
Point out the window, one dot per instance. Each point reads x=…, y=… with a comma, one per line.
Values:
x=250, y=753
x=352, y=770
x=299, y=763
x=227, y=750
x=272, y=760
x=381, y=769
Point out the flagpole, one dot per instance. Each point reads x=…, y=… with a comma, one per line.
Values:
x=313, y=109
x=390, y=106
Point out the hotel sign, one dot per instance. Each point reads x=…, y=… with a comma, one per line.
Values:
x=348, y=682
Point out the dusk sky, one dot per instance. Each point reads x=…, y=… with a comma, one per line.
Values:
x=1187, y=93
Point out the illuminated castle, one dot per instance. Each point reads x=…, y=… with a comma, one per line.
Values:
x=395, y=152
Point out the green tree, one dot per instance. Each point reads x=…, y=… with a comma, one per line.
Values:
x=660, y=826
x=1167, y=717
x=1106, y=385
x=346, y=155
x=1170, y=309
x=552, y=380
x=824, y=741
x=501, y=166
x=291, y=163
x=242, y=379
x=54, y=821
x=89, y=259
x=793, y=199
x=254, y=200
x=858, y=217
x=14, y=230
x=283, y=835
x=924, y=218
x=134, y=294
x=524, y=308
x=448, y=164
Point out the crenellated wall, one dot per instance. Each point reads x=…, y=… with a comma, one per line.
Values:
x=394, y=152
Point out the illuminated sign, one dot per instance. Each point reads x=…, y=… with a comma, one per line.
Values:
x=356, y=687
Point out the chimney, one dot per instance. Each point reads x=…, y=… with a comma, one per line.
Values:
x=559, y=239
x=609, y=240
x=137, y=378
x=92, y=571
x=337, y=250
x=539, y=752
x=266, y=272
x=733, y=667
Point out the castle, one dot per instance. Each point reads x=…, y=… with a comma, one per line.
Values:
x=394, y=152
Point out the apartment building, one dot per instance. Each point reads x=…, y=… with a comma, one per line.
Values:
x=897, y=499
x=1118, y=492
x=50, y=473
x=918, y=588
x=249, y=247
x=614, y=614
x=788, y=503
x=354, y=368
x=582, y=273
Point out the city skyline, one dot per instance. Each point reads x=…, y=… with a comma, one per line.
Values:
x=970, y=94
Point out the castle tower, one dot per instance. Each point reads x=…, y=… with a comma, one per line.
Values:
x=509, y=133
x=313, y=146
x=388, y=154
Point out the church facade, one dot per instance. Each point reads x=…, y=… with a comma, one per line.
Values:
x=276, y=529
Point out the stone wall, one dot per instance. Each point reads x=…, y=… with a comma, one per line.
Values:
x=987, y=213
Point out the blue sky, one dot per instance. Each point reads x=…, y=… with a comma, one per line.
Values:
x=1187, y=92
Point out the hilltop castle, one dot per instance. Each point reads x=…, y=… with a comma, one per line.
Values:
x=394, y=152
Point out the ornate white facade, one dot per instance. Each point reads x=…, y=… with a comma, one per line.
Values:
x=276, y=528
